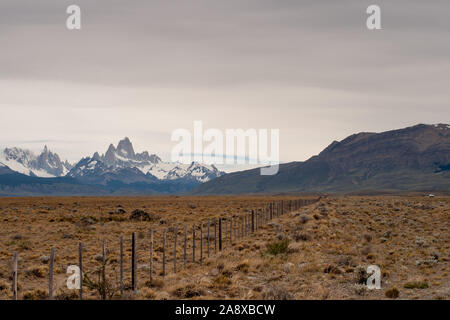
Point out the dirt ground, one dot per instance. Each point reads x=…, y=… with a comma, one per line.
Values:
x=320, y=251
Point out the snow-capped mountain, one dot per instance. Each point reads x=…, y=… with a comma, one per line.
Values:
x=45, y=165
x=121, y=163
x=120, y=169
x=195, y=171
x=124, y=156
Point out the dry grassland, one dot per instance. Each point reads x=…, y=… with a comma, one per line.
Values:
x=317, y=252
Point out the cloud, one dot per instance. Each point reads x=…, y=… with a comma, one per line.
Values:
x=145, y=68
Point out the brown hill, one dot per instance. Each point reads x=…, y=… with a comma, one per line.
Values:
x=412, y=159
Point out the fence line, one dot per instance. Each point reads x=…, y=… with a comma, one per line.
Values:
x=237, y=228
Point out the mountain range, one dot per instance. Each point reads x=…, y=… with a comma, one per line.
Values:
x=47, y=164
x=416, y=158
x=123, y=164
x=120, y=170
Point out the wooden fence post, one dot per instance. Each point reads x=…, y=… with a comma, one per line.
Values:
x=151, y=257
x=80, y=262
x=185, y=245
x=238, y=231
x=193, y=243
x=249, y=226
x=245, y=225
x=14, y=276
x=121, y=265
x=50, y=274
x=257, y=219
x=215, y=235
x=201, y=243
x=209, y=224
x=133, y=262
x=231, y=231
x=175, y=251
x=260, y=218
x=220, y=234
x=164, y=252
x=104, y=267
x=253, y=221
x=235, y=228
x=270, y=210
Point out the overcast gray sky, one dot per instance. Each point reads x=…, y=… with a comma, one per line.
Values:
x=144, y=68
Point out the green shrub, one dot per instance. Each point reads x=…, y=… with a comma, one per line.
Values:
x=278, y=247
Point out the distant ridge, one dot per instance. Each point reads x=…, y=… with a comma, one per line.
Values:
x=123, y=164
x=120, y=171
x=47, y=164
x=411, y=159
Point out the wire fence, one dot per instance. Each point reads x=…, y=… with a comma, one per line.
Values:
x=162, y=251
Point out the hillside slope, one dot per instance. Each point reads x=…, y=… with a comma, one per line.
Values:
x=412, y=159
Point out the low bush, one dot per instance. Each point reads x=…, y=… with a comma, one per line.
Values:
x=392, y=293
x=278, y=247
x=416, y=285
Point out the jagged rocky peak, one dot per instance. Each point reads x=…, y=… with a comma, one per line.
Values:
x=46, y=164
x=125, y=156
x=110, y=156
x=118, y=160
x=145, y=156
x=51, y=163
x=125, y=149
x=20, y=155
x=96, y=157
